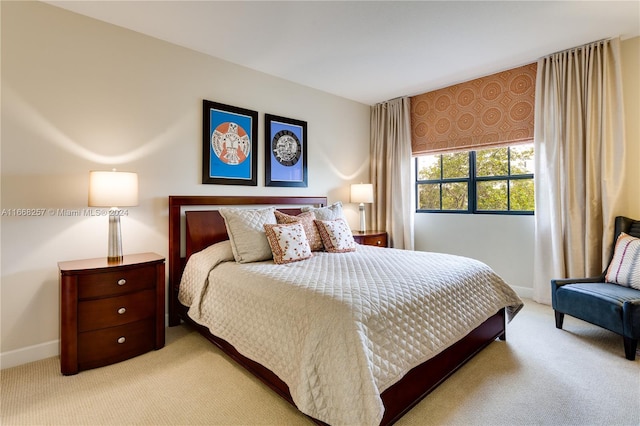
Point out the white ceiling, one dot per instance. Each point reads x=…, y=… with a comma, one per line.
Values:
x=372, y=51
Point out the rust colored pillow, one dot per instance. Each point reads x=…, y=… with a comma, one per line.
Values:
x=306, y=220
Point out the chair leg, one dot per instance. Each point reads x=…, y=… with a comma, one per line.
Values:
x=559, y=319
x=630, y=346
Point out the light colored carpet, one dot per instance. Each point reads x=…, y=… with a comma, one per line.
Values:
x=539, y=376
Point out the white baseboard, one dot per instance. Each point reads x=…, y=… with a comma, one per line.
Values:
x=36, y=352
x=29, y=354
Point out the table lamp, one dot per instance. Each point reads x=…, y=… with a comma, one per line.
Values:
x=362, y=193
x=113, y=189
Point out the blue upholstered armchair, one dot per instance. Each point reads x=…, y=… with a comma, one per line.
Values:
x=598, y=301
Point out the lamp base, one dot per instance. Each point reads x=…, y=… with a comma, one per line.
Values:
x=363, y=222
x=115, y=240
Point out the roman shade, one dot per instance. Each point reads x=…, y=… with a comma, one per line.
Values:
x=491, y=111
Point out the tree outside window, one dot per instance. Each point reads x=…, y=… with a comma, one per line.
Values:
x=494, y=180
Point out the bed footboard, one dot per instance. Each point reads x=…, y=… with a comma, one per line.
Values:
x=402, y=396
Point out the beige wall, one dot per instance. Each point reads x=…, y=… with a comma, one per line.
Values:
x=506, y=242
x=81, y=95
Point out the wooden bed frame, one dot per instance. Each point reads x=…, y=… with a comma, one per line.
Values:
x=205, y=227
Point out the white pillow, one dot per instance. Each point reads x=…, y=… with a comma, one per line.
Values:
x=288, y=242
x=336, y=236
x=310, y=229
x=246, y=232
x=332, y=212
x=625, y=265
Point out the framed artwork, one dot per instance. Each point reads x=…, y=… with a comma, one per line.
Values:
x=229, y=145
x=285, y=151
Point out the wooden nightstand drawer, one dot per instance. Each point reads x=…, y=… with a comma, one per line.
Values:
x=116, y=282
x=380, y=241
x=371, y=238
x=114, y=344
x=112, y=311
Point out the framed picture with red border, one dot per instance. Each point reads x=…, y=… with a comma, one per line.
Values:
x=229, y=145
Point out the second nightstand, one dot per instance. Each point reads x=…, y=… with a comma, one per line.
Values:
x=109, y=312
x=371, y=238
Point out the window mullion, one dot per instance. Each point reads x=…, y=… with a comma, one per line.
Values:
x=509, y=179
x=472, y=182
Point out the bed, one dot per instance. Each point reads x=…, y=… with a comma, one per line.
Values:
x=370, y=356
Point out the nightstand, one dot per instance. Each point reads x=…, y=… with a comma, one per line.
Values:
x=371, y=238
x=110, y=312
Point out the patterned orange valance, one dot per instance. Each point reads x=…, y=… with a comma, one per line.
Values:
x=488, y=111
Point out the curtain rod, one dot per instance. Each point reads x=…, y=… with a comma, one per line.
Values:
x=545, y=56
x=577, y=47
x=392, y=99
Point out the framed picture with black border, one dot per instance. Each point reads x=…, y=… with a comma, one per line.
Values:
x=229, y=145
x=285, y=151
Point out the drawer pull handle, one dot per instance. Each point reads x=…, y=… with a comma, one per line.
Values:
x=122, y=310
x=379, y=242
x=121, y=339
x=122, y=281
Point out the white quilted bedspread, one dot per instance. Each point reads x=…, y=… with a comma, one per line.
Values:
x=340, y=328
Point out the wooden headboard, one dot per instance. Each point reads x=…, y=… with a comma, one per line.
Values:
x=205, y=227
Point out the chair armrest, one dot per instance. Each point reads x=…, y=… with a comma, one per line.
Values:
x=564, y=281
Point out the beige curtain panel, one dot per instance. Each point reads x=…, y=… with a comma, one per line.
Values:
x=391, y=166
x=579, y=145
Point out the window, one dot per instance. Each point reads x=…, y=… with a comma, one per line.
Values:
x=494, y=180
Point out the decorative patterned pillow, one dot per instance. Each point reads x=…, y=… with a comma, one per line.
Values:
x=332, y=212
x=306, y=220
x=625, y=265
x=288, y=242
x=246, y=232
x=336, y=235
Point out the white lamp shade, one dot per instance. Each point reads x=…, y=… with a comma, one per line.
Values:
x=362, y=193
x=113, y=189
